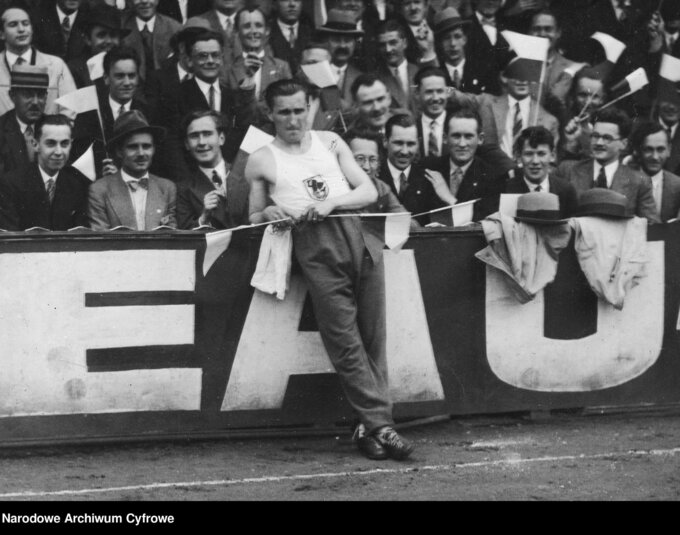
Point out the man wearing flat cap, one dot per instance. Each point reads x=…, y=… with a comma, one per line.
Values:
x=28, y=91
x=133, y=197
x=47, y=193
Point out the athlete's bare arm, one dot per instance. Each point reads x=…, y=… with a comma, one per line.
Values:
x=258, y=174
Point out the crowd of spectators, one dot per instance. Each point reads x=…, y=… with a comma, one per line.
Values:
x=427, y=95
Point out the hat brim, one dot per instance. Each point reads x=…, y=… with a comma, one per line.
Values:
x=593, y=213
x=323, y=30
x=26, y=86
x=451, y=25
x=545, y=222
x=157, y=132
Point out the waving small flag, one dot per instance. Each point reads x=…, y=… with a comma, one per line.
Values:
x=613, y=48
x=215, y=244
x=629, y=85
x=454, y=216
x=669, y=80
x=95, y=66
x=80, y=101
x=320, y=74
x=85, y=164
x=532, y=54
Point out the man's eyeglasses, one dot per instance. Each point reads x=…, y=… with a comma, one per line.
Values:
x=205, y=56
x=606, y=138
x=361, y=160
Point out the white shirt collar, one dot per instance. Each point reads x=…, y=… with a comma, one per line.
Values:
x=285, y=28
x=657, y=179
x=182, y=73
x=223, y=19
x=454, y=166
x=22, y=125
x=458, y=68
x=221, y=169
x=397, y=172
x=47, y=177
x=115, y=106
x=150, y=23
x=129, y=178
x=524, y=104
x=438, y=121
x=673, y=128
x=71, y=17
x=260, y=54
x=609, y=171
x=205, y=86
x=12, y=57
x=545, y=185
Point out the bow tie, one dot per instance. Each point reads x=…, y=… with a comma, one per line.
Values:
x=488, y=21
x=135, y=184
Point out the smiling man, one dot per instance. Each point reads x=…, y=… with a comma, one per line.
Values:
x=48, y=193
x=133, y=197
x=309, y=176
x=393, y=69
x=373, y=104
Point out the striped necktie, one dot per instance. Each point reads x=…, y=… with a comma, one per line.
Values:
x=517, y=124
x=50, y=187
x=403, y=184
x=432, y=145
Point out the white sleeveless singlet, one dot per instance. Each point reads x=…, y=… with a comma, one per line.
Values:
x=302, y=179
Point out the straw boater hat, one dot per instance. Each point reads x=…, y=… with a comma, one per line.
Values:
x=448, y=19
x=602, y=202
x=133, y=122
x=108, y=17
x=539, y=208
x=29, y=77
x=340, y=22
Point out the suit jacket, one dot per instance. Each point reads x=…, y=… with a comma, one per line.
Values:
x=231, y=212
x=164, y=28
x=47, y=35
x=419, y=195
x=13, y=152
x=281, y=47
x=479, y=48
x=563, y=189
x=634, y=185
x=478, y=78
x=351, y=74
x=673, y=162
x=480, y=181
x=399, y=98
x=194, y=7
x=61, y=81
x=24, y=202
x=273, y=69
x=110, y=204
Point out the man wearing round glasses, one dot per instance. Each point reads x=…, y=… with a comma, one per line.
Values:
x=608, y=141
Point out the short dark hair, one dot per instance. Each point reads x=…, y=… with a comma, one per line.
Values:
x=361, y=133
x=56, y=120
x=200, y=114
x=391, y=25
x=550, y=13
x=119, y=53
x=284, y=88
x=14, y=4
x=205, y=35
x=464, y=113
x=535, y=136
x=615, y=116
x=366, y=79
x=403, y=120
x=426, y=72
x=237, y=17
x=642, y=131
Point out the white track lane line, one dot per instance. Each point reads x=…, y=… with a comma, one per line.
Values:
x=362, y=473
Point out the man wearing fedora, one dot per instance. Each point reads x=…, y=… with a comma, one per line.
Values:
x=28, y=91
x=651, y=149
x=59, y=27
x=103, y=31
x=341, y=35
x=451, y=38
x=133, y=197
x=608, y=140
x=47, y=193
x=16, y=31
x=535, y=154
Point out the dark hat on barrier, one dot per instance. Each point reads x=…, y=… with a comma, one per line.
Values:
x=133, y=122
x=108, y=17
x=602, y=202
x=29, y=77
x=539, y=208
x=340, y=22
x=448, y=19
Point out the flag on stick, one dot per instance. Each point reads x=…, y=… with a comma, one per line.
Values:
x=393, y=228
x=216, y=243
x=454, y=216
x=85, y=164
x=95, y=66
x=626, y=87
x=80, y=101
x=613, y=48
x=532, y=54
x=669, y=80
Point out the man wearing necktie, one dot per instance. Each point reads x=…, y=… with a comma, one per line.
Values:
x=60, y=28
x=485, y=42
x=213, y=194
x=48, y=193
x=28, y=91
x=133, y=197
x=393, y=69
x=608, y=140
x=290, y=32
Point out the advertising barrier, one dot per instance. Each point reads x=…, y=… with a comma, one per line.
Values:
x=120, y=336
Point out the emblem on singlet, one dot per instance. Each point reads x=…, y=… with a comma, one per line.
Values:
x=316, y=187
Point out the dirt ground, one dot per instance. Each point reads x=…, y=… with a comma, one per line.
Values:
x=624, y=456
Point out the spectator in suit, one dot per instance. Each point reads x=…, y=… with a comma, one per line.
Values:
x=150, y=34
x=103, y=31
x=59, y=27
x=668, y=116
x=420, y=37
x=222, y=19
x=451, y=39
x=28, y=92
x=485, y=42
x=461, y=173
x=17, y=35
x=373, y=104
x=670, y=13
x=433, y=96
x=255, y=66
x=393, y=69
x=133, y=197
x=48, y=193
x=340, y=34
x=535, y=153
x=609, y=139
x=290, y=32
x=182, y=10
x=406, y=178
x=651, y=150
x=212, y=195
x=117, y=95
